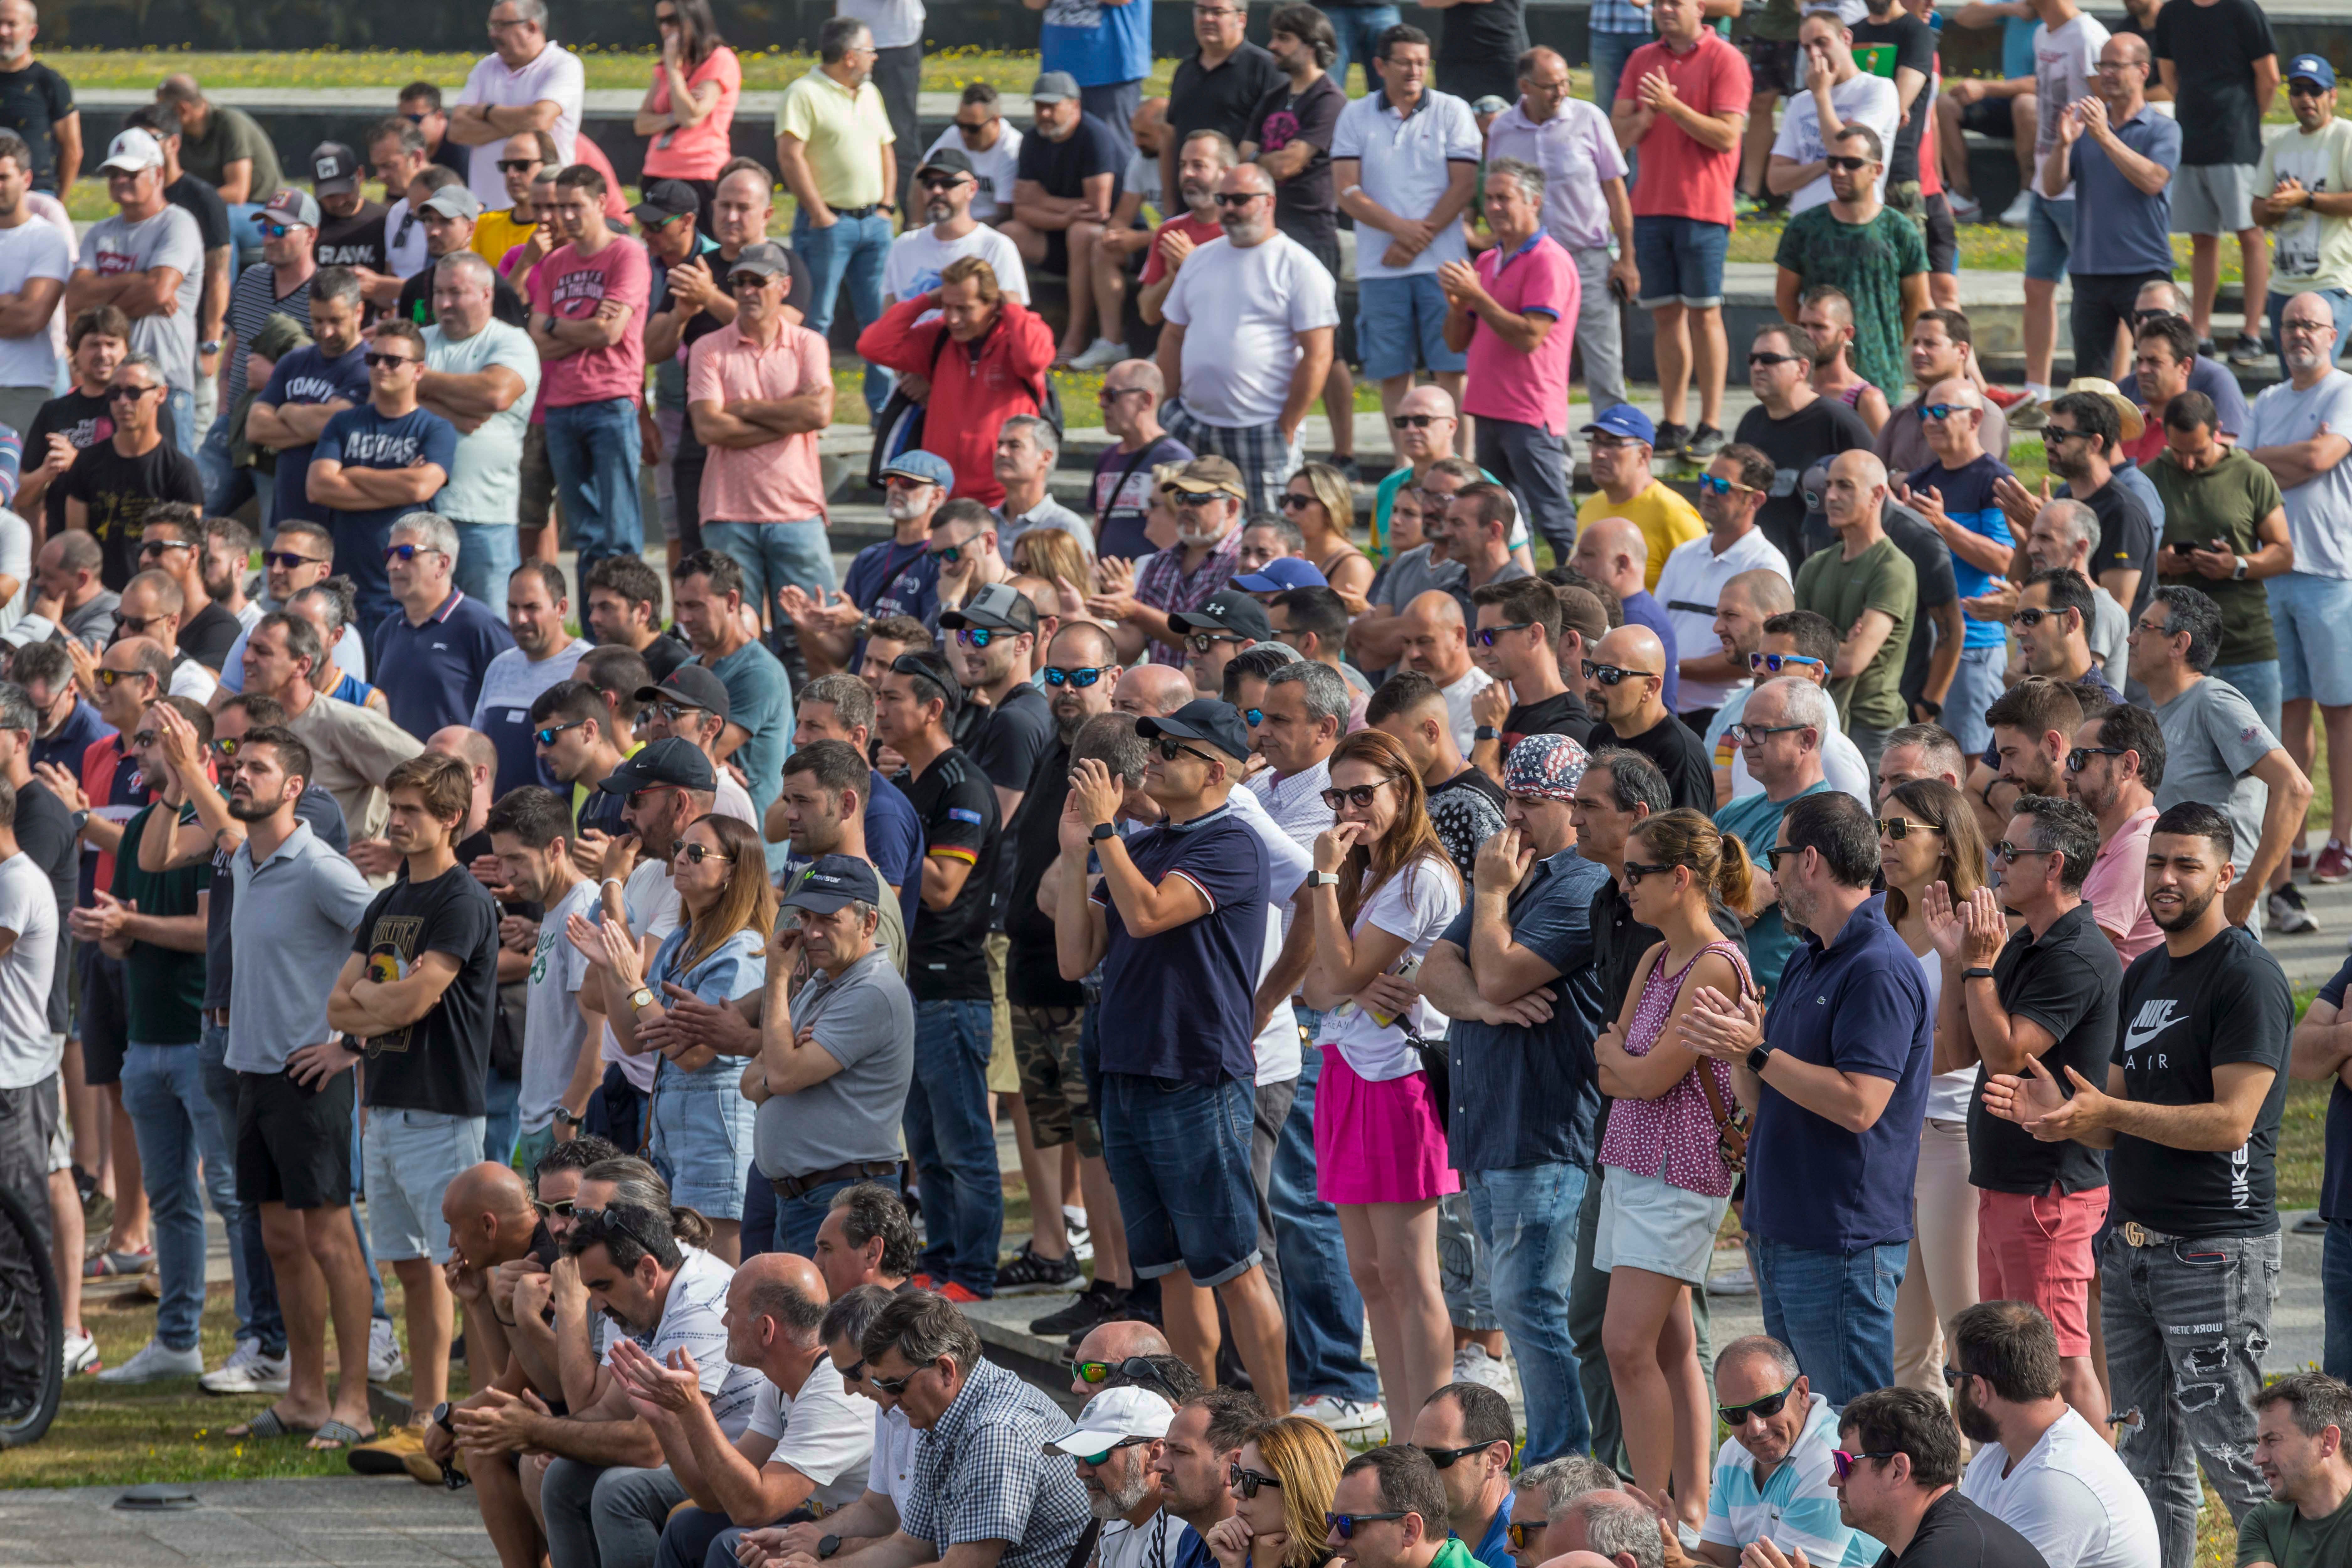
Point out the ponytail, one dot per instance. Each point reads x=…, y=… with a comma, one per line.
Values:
x=1735, y=874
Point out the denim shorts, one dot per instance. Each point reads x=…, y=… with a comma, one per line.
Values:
x=2313, y=618
x=2049, y=239
x=410, y=1158
x=702, y=1136
x=1179, y=1153
x=1680, y=260
x=1401, y=323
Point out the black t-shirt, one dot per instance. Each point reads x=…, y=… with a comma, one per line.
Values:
x=947, y=961
x=45, y=832
x=1012, y=735
x=209, y=635
x=2336, y=1179
x=2227, y=1002
x=1956, y=1534
x=1220, y=99
x=1931, y=560
x=1478, y=39
x=117, y=491
x=354, y=241
x=1304, y=207
x=202, y=202
x=31, y=102
x=1911, y=43
x=82, y=420
x=2126, y=538
x=1062, y=168
x=664, y=654
x=1823, y=428
x=1680, y=754
x=1033, y=974
x=438, y=1063
x=1563, y=715
x=2067, y=983
x=416, y=300
x=2213, y=49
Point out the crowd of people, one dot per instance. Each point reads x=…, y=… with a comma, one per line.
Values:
x=1370, y=942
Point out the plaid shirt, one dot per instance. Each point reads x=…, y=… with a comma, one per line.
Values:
x=1165, y=585
x=981, y=1473
x=1617, y=17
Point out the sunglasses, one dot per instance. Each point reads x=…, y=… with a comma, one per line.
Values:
x=1772, y=857
x=1297, y=502
x=977, y=636
x=110, y=678
x=1170, y=748
x=129, y=393
x=952, y=556
x=509, y=166
x=1709, y=485
x=2080, y=757
x=1414, y=421
x=408, y=551
x=1139, y=1368
x=1522, y=1533
x=1081, y=677
x=1757, y=734
x=1445, y=1459
x=1765, y=1408
x=144, y=738
x=969, y=131
x=1247, y=1482
x=137, y=627
x=1206, y=642
x=677, y=714
x=1610, y=674
x=547, y=737
x=1754, y=360
x=560, y=1207
x=1848, y=165
x=1771, y=662
x=1191, y=498
x=2060, y=433
x=157, y=546
x=286, y=560
x=1343, y=1525
x=1487, y=635
x=1237, y=198
x=1358, y=795
x=894, y=1387
x=277, y=230
x=376, y=359
x=1845, y=1462
x=1899, y=828
x=2007, y=853
x=227, y=745
x=2031, y=619
x=1253, y=717
x=1636, y=871
x=695, y=854
x=1940, y=412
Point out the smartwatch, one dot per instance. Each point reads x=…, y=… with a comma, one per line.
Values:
x=1979, y=972
x=2238, y=573
x=1102, y=830
x=1322, y=878
x=1488, y=733
x=1758, y=1057
x=827, y=1547
x=441, y=1418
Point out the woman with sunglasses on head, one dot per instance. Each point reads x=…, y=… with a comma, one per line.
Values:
x=1384, y=888
x=702, y=1125
x=690, y=106
x=1057, y=555
x=1319, y=500
x=1282, y=1480
x=1664, y=1183
x=1927, y=838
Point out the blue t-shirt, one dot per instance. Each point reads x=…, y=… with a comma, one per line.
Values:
x=1643, y=609
x=2118, y=227
x=1755, y=821
x=1184, y=998
x=1968, y=500
x=894, y=579
x=306, y=378
x=1494, y=1548
x=73, y=737
x=894, y=840
x=359, y=438
x=1095, y=43
x=2017, y=45
x=431, y=674
x=1861, y=1007
x=759, y=699
x=1536, y=1087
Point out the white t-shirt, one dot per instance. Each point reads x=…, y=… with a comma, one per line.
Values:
x=895, y=24
x=2071, y=1496
x=556, y=76
x=823, y=1432
x=15, y=561
x=403, y=248
x=1457, y=706
x=2319, y=513
x=486, y=482
x=1243, y=309
x=650, y=898
x=553, y=1028
x=918, y=256
x=28, y=906
x=994, y=167
x=1693, y=577
x=2066, y=71
x=190, y=679
x=694, y=1319
x=1872, y=100
x=891, y=1471
x=1405, y=163
x=1287, y=864
x=1151, y=1544
x=51, y=211
x=1418, y=903
x=169, y=239
x=31, y=249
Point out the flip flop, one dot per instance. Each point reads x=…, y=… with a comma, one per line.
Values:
x=269, y=1423
x=333, y=1437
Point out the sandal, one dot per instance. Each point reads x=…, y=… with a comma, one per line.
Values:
x=333, y=1437
x=267, y=1425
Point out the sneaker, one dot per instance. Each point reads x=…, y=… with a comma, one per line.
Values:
x=1704, y=443
x=2208, y=349
x=1965, y=209
x=106, y=1265
x=1671, y=439
x=1737, y=1280
x=384, y=1359
x=925, y=1282
x=388, y=1455
x=81, y=1353
x=1345, y=1417
x=1098, y=1304
x=247, y=1371
x=1031, y=1273
x=2004, y=397
x=2299, y=857
x=2288, y=917
x=2334, y=864
x=1081, y=1239
x=155, y=1363
x=1473, y=1364
x=2029, y=415
x=961, y=1295
x=1101, y=354
x=2020, y=212
x=2248, y=350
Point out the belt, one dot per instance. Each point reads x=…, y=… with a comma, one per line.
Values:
x=868, y=210
x=800, y=1186
x=2137, y=1234
x=220, y=1016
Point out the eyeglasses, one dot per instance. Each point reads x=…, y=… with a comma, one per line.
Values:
x=129, y=393
x=1764, y=1408
x=968, y=132
x=1709, y=485
x=1445, y=1459
x=408, y=552
x=1230, y=199
x=377, y=359
x=547, y=737
x=2007, y=853
x=1899, y=828
x=1636, y=871
x=1848, y=165
x=1081, y=676
x=547, y=1210
x=1940, y=412
x=941, y=182
x=1610, y=674
x=977, y=636
x=1247, y=1482
x=2080, y=757
x=1754, y=360
x=509, y=166
x=695, y=854
x=1343, y=1525
x=1487, y=635
x=1845, y=1462
x=287, y=560
x=1414, y=421
x=1770, y=663
x=1206, y=642
x=1294, y=501
x=1523, y=1532
x=1358, y=795
x=1772, y=857
x=1757, y=734
x=1170, y=748
x=1952, y=1376
x=1106, y=1453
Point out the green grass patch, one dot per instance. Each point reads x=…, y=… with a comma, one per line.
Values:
x=1984, y=248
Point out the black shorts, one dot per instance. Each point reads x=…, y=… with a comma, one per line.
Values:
x=1943, y=237
x=1773, y=66
x=1991, y=117
x=105, y=1022
x=293, y=1143
x=1057, y=253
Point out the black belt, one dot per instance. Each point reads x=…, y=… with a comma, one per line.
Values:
x=800, y=1186
x=868, y=210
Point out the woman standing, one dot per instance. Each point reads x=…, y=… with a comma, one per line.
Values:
x=1319, y=500
x=1385, y=888
x=702, y=1122
x=690, y=107
x=1282, y=1481
x=1927, y=838
x=1664, y=1182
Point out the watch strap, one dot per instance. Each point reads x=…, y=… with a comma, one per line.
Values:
x=1976, y=972
x=1102, y=830
x=1757, y=1056
x=1487, y=733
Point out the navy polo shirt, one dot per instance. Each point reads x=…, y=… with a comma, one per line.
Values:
x=894, y=840
x=1185, y=999
x=2118, y=227
x=1530, y=1095
x=432, y=674
x=2335, y=1180
x=1861, y=1007
x=75, y=735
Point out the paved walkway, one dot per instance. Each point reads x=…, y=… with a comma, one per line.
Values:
x=339, y=1520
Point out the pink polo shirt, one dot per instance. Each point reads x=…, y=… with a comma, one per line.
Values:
x=2116, y=887
x=1540, y=277
x=780, y=480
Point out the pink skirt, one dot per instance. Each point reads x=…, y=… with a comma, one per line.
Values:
x=1377, y=1142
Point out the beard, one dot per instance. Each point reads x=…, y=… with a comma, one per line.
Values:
x=938, y=212
x=246, y=808
x=2192, y=910
x=1117, y=1498
x=1975, y=1425
x=1068, y=725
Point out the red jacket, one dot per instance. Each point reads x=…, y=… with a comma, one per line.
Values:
x=975, y=387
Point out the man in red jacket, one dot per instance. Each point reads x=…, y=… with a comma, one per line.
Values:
x=979, y=359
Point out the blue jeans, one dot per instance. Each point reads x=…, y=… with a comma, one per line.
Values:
x=488, y=554
x=1359, y=30
x=1178, y=1151
x=2335, y=1289
x=503, y=1096
x=851, y=252
x=1976, y=686
x=594, y=449
x=1526, y=1217
x=953, y=1145
x=1835, y=1309
x=1323, y=1313
x=227, y=488
x=2257, y=681
x=257, y=1314
x=182, y=405
x=772, y=554
x=2339, y=304
x=789, y=1225
x=162, y=1088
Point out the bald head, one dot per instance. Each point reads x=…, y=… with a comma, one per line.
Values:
x=471, y=747
x=489, y=1214
x=1612, y=550
x=489, y=1188
x=1436, y=642
x=1765, y=592
x=1632, y=646
x=1153, y=690
x=1855, y=497
x=783, y=1271
x=1116, y=1342
x=1428, y=400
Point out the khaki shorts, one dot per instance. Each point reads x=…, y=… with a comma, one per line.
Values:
x=1053, y=1084
x=1003, y=1067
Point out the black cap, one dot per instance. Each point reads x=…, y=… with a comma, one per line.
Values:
x=932, y=666
x=999, y=606
x=1206, y=719
x=664, y=200
x=952, y=159
x=692, y=686
x=335, y=169
x=832, y=882
x=1233, y=611
x=675, y=761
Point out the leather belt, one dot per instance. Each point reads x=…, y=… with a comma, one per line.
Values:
x=2137, y=1234
x=800, y=1186
x=868, y=210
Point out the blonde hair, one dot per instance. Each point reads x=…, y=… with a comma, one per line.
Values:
x=1717, y=860
x=1333, y=494
x=1056, y=555
x=1307, y=1458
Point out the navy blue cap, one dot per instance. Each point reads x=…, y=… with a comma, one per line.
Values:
x=1281, y=575
x=833, y=882
x=1206, y=720
x=673, y=761
x=2311, y=67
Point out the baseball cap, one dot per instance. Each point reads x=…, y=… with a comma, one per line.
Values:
x=1206, y=720
x=134, y=150
x=832, y=882
x=1492, y=103
x=664, y=200
x=918, y=464
x=1113, y=1416
x=28, y=630
x=1282, y=574
x=292, y=206
x=767, y=259
x=999, y=606
x=2134, y=421
x=455, y=202
x=691, y=685
x=932, y=666
x=1229, y=612
x=2312, y=68
x=1551, y=766
x=1209, y=475
x=952, y=159
x=1054, y=86
x=1626, y=423
x=334, y=169
x=673, y=761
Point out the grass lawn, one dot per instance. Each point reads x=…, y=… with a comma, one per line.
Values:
x=1984, y=248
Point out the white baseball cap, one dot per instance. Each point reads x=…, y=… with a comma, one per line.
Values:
x=134, y=151
x=1114, y=1416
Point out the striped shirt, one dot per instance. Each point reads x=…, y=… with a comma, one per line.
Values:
x=250, y=305
x=1796, y=1508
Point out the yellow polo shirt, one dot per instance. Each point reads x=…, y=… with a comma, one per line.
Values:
x=1665, y=519
x=495, y=234
x=843, y=134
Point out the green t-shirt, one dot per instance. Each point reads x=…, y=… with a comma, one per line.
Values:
x=2274, y=1533
x=1880, y=578
x=1869, y=262
x=163, y=988
x=1778, y=22
x=2226, y=501
x=231, y=135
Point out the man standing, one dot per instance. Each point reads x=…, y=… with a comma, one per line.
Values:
x=950, y=229
x=1626, y=680
x=707, y=596
x=481, y=374
x=1027, y=451
x=279, y=284
x=396, y=151
x=1837, y=95
x=37, y=104
x=353, y=749
x=834, y=148
x=2083, y=435
x=1216, y=89
x=1466, y=805
x=2120, y=156
x=544, y=655
x=1856, y=244
x=1516, y=640
x=380, y=461
x=2220, y=67
x=35, y=258
x=531, y=833
x=584, y=300
x=431, y=654
x=1071, y=171
x=1436, y=643
x=1796, y=427
x=1782, y=731
x=2114, y=769
x=527, y=83
x=2225, y=531
x=227, y=149
x=2300, y=194
x=148, y=262
x=1737, y=481
x=1132, y=393
x=309, y=387
x=507, y=218
x=173, y=542
x=624, y=609
x=1957, y=497
x=895, y=576
x=1866, y=589
x=113, y=483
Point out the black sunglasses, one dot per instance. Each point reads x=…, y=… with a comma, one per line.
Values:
x=1610, y=674
x=2031, y=617
x=695, y=854
x=1169, y=747
x=1636, y=871
x=895, y=1386
x=376, y=359
x=1414, y=421
x=1079, y=675
x=1343, y=1525
x=508, y=165
x=2080, y=757
x=547, y=737
x=1487, y=635
x=1778, y=359
x=1445, y=1459
x=1358, y=795
x=1765, y=1408
x=1237, y=198
x=1848, y=165
x=2008, y=853
x=286, y=560
x=1247, y=1482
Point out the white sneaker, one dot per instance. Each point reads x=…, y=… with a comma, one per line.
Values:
x=1965, y=209
x=81, y=1353
x=1735, y=1282
x=384, y=1359
x=247, y=1371
x=1081, y=1238
x=1101, y=354
x=1346, y=1417
x=2020, y=212
x=1473, y=1364
x=155, y=1363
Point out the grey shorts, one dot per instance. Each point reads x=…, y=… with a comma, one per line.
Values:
x=2213, y=198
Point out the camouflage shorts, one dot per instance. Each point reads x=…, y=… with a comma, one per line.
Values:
x=1053, y=1085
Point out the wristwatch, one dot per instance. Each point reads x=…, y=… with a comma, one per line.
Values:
x=1978, y=973
x=827, y=1546
x=1933, y=709
x=641, y=998
x=1322, y=879
x=2238, y=573
x=565, y=1118
x=441, y=1418
x=209, y=346
x=1487, y=733
x=1102, y=830
x=1758, y=1057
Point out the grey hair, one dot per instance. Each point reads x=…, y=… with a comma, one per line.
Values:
x=146, y=362
x=1760, y=1345
x=531, y=11
x=429, y=529
x=1039, y=431
x=1326, y=690
x=1616, y=1530
x=1806, y=704
x=2179, y=299
x=1530, y=178
x=338, y=283
x=2081, y=523
x=1563, y=1480
x=17, y=709
x=475, y=270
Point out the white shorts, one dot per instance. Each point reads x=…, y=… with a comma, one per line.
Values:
x=1649, y=1223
